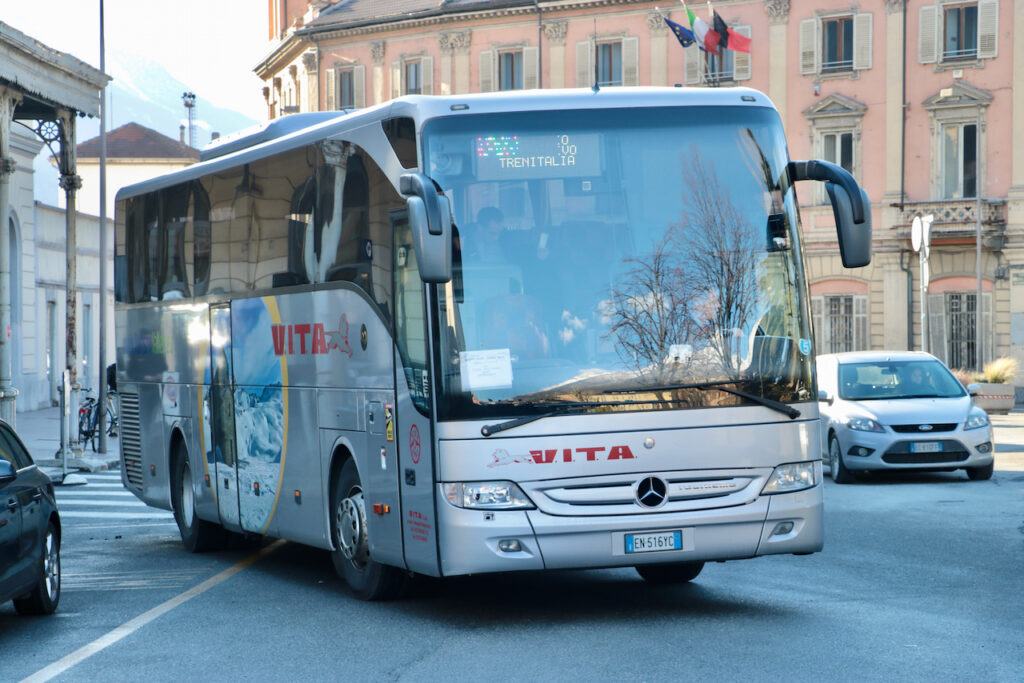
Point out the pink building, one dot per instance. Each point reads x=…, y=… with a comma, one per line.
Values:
x=920, y=100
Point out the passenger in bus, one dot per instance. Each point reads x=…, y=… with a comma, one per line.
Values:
x=485, y=243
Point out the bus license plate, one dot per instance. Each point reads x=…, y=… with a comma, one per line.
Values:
x=653, y=542
x=925, y=446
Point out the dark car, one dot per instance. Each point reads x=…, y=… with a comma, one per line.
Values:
x=29, y=530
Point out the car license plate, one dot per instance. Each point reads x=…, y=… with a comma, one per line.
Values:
x=925, y=446
x=653, y=542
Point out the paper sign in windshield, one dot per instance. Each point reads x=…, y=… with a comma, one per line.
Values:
x=486, y=369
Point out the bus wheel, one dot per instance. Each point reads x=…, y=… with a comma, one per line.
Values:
x=677, y=572
x=369, y=580
x=197, y=535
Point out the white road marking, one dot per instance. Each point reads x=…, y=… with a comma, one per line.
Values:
x=79, y=514
x=130, y=627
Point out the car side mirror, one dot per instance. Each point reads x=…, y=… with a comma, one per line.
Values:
x=824, y=397
x=430, y=219
x=7, y=472
x=973, y=389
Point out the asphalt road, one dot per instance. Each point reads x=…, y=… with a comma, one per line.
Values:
x=921, y=578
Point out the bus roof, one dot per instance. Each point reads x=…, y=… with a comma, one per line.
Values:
x=279, y=136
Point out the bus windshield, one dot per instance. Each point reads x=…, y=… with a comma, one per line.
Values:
x=618, y=259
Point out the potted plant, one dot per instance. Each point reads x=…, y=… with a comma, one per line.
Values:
x=995, y=392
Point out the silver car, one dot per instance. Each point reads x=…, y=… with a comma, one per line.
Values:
x=899, y=410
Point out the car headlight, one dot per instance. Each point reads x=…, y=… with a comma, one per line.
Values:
x=864, y=424
x=976, y=419
x=795, y=476
x=486, y=495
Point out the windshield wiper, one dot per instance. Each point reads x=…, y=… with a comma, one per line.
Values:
x=557, y=409
x=777, y=406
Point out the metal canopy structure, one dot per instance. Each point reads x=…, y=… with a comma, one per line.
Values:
x=46, y=91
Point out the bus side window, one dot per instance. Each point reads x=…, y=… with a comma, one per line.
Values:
x=362, y=252
x=199, y=217
x=173, y=281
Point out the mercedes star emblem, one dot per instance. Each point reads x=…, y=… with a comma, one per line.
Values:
x=651, y=492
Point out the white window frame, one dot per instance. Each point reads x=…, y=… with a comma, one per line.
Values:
x=959, y=162
x=940, y=328
x=586, y=50
x=931, y=38
x=958, y=105
x=399, y=67
x=490, y=67
x=812, y=44
x=836, y=115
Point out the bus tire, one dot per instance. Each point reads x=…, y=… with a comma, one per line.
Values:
x=369, y=580
x=197, y=535
x=676, y=572
x=840, y=474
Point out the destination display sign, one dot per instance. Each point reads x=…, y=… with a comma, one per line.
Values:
x=525, y=157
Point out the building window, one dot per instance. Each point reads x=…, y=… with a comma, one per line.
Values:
x=721, y=67
x=838, y=148
x=609, y=63
x=961, y=312
x=510, y=70
x=841, y=322
x=960, y=32
x=346, y=89
x=413, y=81
x=837, y=44
x=959, y=160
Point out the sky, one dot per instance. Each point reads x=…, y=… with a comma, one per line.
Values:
x=212, y=45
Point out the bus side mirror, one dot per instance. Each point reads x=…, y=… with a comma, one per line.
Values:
x=850, y=206
x=854, y=238
x=430, y=219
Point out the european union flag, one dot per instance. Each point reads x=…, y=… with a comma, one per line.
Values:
x=683, y=34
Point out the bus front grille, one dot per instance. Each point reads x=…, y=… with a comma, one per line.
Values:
x=131, y=440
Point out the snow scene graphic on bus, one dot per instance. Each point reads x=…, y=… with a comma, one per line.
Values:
x=597, y=254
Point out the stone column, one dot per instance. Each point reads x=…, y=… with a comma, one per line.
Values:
x=778, y=62
x=659, y=50
x=377, y=54
x=444, y=41
x=555, y=32
x=8, y=394
x=311, y=67
x=460, y=46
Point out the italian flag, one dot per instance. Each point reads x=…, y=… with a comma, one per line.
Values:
x=707, y=37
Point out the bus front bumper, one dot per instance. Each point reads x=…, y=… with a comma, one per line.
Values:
x=477, y=541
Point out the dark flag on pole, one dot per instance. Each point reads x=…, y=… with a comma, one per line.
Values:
x=729, y=38
x=683, y=34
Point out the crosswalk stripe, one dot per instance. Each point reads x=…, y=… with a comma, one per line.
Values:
x=80, y=514
x=100, y=503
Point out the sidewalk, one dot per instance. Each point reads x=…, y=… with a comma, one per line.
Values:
x=1009, y=438
x=40, y=430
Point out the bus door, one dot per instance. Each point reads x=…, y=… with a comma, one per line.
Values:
x=222, y=416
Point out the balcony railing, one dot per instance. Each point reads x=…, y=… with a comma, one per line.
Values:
x=956, y=217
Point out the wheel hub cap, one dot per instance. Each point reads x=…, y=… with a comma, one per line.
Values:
x=352, y=529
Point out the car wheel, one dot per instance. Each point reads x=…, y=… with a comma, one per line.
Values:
x=197, y=535
x=44, y=597
x=677, y=572
x=369, y=580
x=840, y=474
x=980, y=473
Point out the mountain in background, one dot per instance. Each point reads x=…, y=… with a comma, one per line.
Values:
x=143, y=92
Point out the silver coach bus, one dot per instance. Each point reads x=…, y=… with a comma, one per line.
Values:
x=483, y=333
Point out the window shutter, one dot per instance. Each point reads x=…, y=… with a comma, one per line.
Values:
x=427, y=75
x=359, y=86
x=938, y=336
x=988, y=28
x=928, y=34
x=818, y=320
x=487, y=71
x=531, y=75
x=396, y=79
x=692, y=57
x=862, y=42
x=584, y=64
x=741, y=60
x=987, y=331
x=330, y=90
x=860, y=322
x=809, y=46
x=630, y=57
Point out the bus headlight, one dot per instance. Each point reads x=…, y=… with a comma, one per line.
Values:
x=795, y=476
x=486, y=495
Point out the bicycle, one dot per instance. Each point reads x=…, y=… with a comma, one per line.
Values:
x=88, y=419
